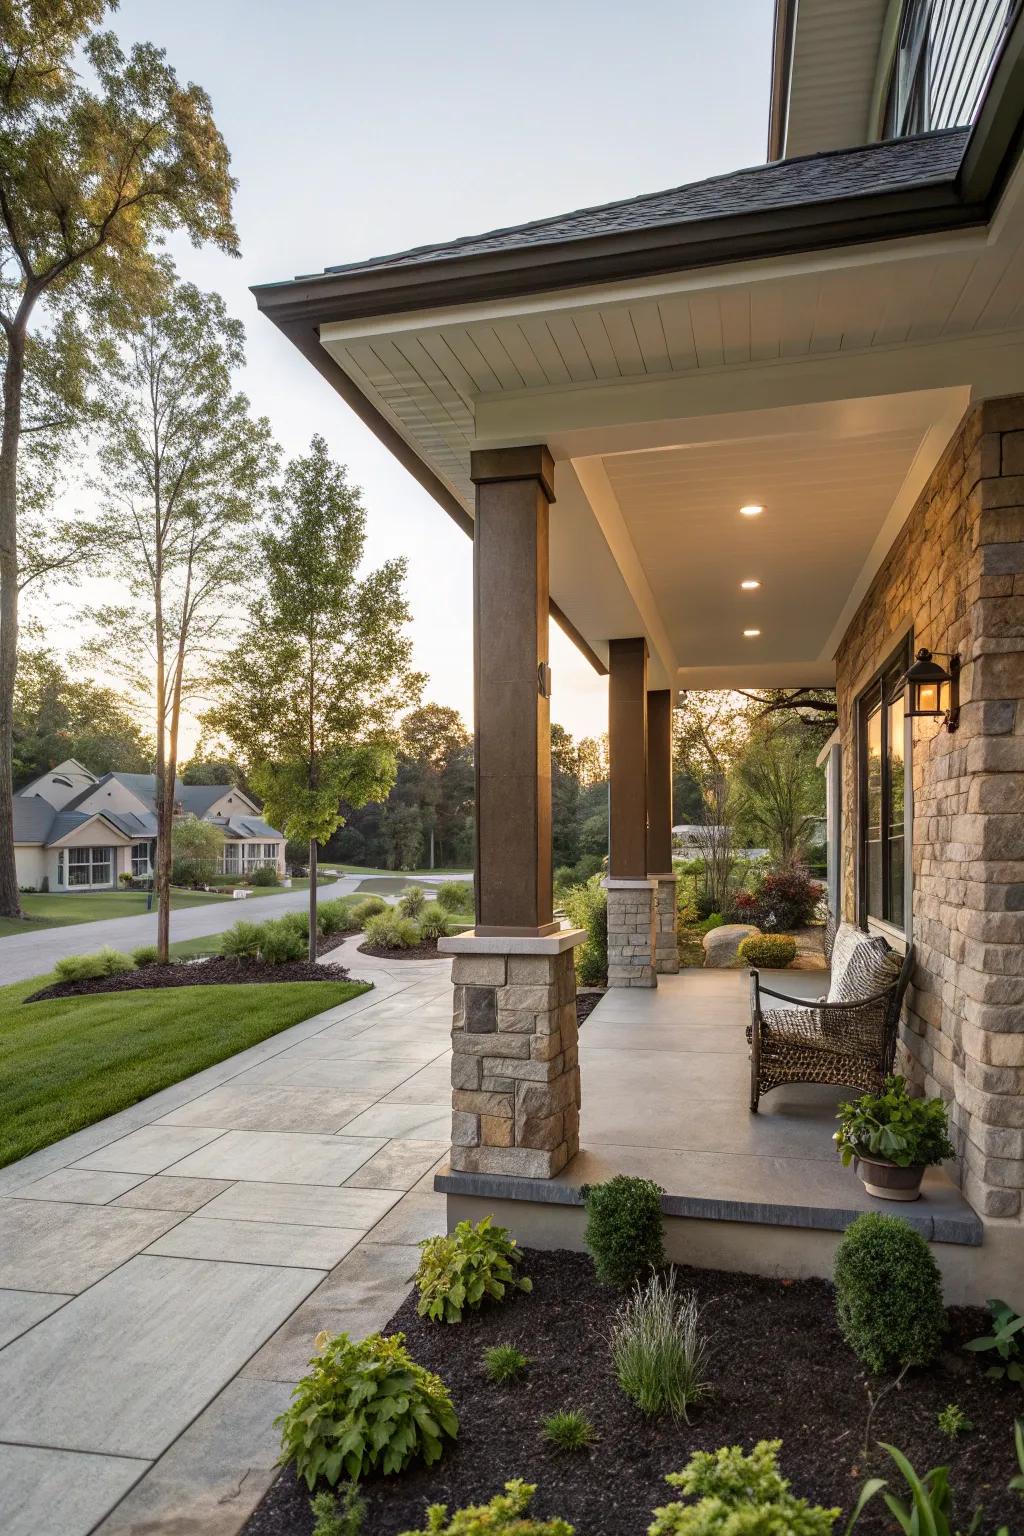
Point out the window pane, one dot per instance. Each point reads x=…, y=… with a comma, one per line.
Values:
x=896, y=785
x=873, y=812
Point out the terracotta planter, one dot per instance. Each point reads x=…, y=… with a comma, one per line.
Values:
x=887, y=1181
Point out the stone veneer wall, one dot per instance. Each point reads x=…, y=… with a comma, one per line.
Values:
x=956, y=574
x=666, y=940
x=632, y=933
x=515, y=1064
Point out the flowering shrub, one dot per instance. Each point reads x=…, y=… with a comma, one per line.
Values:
x=786, y=898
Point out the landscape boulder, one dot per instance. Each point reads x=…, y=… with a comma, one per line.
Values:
x=721, y=944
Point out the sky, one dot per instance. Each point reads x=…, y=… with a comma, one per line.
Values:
x=360, y=129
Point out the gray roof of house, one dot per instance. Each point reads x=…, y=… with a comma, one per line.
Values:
x=33, y=818
x=238, y=828
x=861, y=172
x=194, y=797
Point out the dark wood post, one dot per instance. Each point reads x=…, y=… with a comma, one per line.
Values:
x=627, y=759
x=659, y=782
x=514, y=488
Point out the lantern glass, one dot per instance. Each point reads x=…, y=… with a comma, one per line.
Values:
x=927, y=700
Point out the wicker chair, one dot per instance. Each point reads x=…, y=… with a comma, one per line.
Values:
x=851, y=1045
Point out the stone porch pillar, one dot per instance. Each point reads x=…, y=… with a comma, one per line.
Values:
x=515, y=1071
x=659, y=828
x=632, y=894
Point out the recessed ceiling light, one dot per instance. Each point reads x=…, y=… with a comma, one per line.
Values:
x=751, y=510
x=750, y=586
x=750, y=633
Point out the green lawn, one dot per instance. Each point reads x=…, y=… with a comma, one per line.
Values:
x=68, y=1062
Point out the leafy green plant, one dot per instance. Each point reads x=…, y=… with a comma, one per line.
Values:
x=115, y=962
x=387, y=930
x=624, y=1228
x=891, y=1125
x=364, y=1407
x=411, y=901
x=658, y=1351
x=79, y=968
x=282, y=940
x=434, y=923
x=771, y=952
x=888, y=1294
x=455, y=896
x=336, y=1515
x=586, y=906
x=1005, y=1339
x=146, y=954
x=739, y=1495
x=930, y=1510
x=503, y=1363
x=241, y=941
x=333, y=917
x=505, y=1515
x=459, y=1269
x=953, y=1421
x=367, y=908
x=568, y=1430
x=264, y=875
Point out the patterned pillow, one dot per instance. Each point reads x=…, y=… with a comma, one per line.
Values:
x=848, y=936
x=871, y=967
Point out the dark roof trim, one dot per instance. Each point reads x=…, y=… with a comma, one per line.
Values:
x=783, y=34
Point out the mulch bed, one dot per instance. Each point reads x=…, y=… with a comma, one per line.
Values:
x=215, y=971
x=586, y=1002
x=779, y=1370
x=426, y=950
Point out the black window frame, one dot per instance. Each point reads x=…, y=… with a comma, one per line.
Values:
x=880, y=693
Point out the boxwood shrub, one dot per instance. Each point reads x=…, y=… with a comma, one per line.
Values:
x=888, y=1293
x=624, y=1228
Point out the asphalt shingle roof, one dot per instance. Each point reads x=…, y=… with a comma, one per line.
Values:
x=861, y=172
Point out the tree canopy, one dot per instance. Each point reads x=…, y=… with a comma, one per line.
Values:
x=57, y=716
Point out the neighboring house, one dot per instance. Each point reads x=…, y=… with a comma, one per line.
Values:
x=79, y=831
x=764, y=430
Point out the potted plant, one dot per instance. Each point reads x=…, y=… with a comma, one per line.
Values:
x=893, y=1138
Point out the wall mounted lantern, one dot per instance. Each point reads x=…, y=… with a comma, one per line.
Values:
x=932, y=692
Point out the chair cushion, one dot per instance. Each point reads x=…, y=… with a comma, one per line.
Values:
x=862, y=966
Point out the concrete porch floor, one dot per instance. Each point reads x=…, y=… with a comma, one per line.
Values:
x=665, y=1086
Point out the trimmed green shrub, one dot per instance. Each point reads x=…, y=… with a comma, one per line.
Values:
x=741, y=1495
x=624, y=1228
x=389, y=931
x=455, y=896
x=658, y=1351
x=586, y=906
x=411, y=901
x=79, y=968
x=568, y=1430
x=146, y=954
x=770, y=952
x=115, y=962
x=265, y=874
x=503, y=1363
x=364, y=1407
x=459, y=1269
x=241, y=941
x=888, y=1294
x=505, y=1515
x=434, y=923
x=298, y=922
x=343, y=1515
x=333, y=917
x=367, y=908
x=281, y=941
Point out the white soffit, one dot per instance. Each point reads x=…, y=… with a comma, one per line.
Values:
x=832, y=79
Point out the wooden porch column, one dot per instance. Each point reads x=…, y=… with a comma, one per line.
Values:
x=659, y=827
x=631, y=892
x=514, y=489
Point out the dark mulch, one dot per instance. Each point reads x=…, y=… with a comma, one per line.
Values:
x=216, y=971
x=426, y=950
x=586, y=1002
x=780, y=1370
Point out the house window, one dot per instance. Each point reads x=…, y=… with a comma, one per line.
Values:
x=943, y=55
x=89, y=866
x=232, y=859
x=142, y=860
x=60, y=866
x=884, y=798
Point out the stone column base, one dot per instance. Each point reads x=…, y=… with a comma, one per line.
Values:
x=666, y=939
x=632, y=920
x=515, y=1057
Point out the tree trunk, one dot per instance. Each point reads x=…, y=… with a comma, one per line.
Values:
x=10, y=906
x=431, y=847
x=312, y=898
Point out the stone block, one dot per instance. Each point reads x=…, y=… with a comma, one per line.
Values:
x=490, y=1084
x=496, y=1130
x=544, y=1131
x=545, y=1047
x=479, y=970
x=531, y=1071
x=491, y=1045
x=466, y=1071
x=516, y=1162
x=475, y=1010
x=536, y=1100
x=527, y=999
x=533, y=970
x=495, y=1104
x=465, y=1129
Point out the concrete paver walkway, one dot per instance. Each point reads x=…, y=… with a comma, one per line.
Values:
x=163, y=1274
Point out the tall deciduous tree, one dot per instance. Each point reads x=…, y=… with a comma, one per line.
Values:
x=90, y=175
x=310, y=698
x=184, y=472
